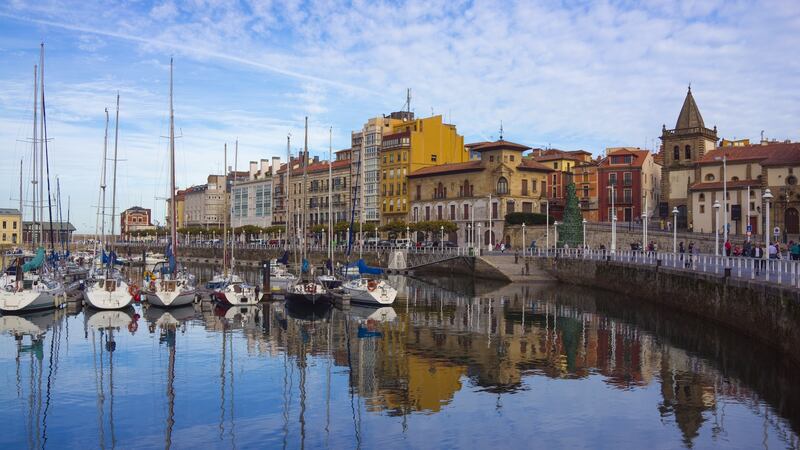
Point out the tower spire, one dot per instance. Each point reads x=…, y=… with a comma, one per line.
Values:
x=501, y=130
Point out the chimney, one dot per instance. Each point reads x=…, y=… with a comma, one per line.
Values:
x=264, y=167
x=253, y=168
x=276, y=164
x=316, y=159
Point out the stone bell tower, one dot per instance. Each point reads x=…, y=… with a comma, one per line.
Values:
x=684, y=146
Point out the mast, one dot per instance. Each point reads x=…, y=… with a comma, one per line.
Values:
x=46, y=156
x=60, y=217
x=330, y=187
x=173, y=233
x=286, y=186
x=34, y=225
x=233, y=193
x=305, y=174
x=69, y=235
x=361, y=198
x=114, y=180
x=101, y=204
x=41, y=147
x=20, y=199
x=225, y=220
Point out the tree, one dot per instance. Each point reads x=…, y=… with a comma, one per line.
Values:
x=518, y=218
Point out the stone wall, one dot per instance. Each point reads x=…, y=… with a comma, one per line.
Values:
x=768, y=312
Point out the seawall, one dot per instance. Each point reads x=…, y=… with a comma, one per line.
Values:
x=764, y=311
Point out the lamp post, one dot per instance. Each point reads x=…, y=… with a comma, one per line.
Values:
x=613, y=222
x=348, y=238
x=491, y=225
x=546, y=226
x=480, y=237
x=555, y=234
x=376, y=239
x=716, y=229
x=584, y=234
x=644, y=231
x=325, y=243
x=408, y=236
x=469, y=236
x=675, y=229
x=767, y=197
x=524, y=246
x=724, y=195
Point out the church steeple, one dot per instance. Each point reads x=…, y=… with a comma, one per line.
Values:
x=690, y=114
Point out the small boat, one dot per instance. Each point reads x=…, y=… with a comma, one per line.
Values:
x=308, y=294
x=36, y=291
x=280, y=279
x=330, y=281
x=107, y=290
x=172, y=289
x=238, y=293
x=370, y=291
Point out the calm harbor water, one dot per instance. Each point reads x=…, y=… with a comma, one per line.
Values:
x=451, y=365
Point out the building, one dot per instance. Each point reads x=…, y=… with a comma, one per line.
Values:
x=252, y=198
x=683, y=147
x=10, y=227
x=204, y=206
x=635, y=177
x=477, y=194
x=135, y=219
x=180, y=213
x=562, y=162
x=585, y=179
x=366, y=148
x=750, y=169
x=409, y=146
x=318, y=208
x=61, y=232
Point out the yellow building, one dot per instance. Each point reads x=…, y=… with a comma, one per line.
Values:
x=413, y=144
x=10, y=227
x=180, y=220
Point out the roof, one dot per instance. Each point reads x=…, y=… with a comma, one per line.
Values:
x=772, y=154
x=640, y=156
x=135, y=208
x=690, y=114
x=499, y=145
x=445, y=169
x=9, y=212
x=64, y=226
x=528, y=164
x=717, y=185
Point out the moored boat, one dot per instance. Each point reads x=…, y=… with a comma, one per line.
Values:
x=370, y=291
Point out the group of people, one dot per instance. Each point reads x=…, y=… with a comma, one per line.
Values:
x=774, y=250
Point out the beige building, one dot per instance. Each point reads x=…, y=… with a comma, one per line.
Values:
x=204, y=206
x=10, y=227
x=251, y=199
x=684, y=146
x=477, y=194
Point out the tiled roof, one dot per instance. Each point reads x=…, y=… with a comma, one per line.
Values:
x=717, y=185
x=772, y=154
x=498, y=145
x=638, y=161
x=9, y=211
x=469, y=166
x=528, y=164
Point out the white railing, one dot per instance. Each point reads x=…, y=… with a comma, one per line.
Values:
x=779, y=271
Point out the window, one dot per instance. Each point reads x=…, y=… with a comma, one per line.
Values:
x=627, y=195
x=709, y=177
x=524, y=187
x=452, y=212
x=702, y=209
x=791, y=180
x=533, y=185
x=527, y=207
x=702, y=197
x=419, y=194
x=510, y=206
x=384, y=174
x=612, y=179
x=544, y=187
x=627, y=178
x=688, y=152
x=737, y=179
x=466, y=212
x=4, y=226
x=585, y=177
x=494, y=210
x=416, y=214
x=439, y=212
x=586, y=192
x=511, y=157
x=502, y=186
x=433, y=158
x=676, y=153
x=555, y=165
x=427, y=213
x=491, y=158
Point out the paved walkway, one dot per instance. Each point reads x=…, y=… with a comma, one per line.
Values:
x=515, y=270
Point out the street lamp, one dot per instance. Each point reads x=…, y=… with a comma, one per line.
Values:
x=584, y=234
x=480, y=237
x=441, y=240
x=613, y=222
x=491, y=227
x=469, y=236
x=767, y=197
x=644, y=231
x=724, y=195
x=716, y=229
x=675, y=229
x=547, y=225
x=523, y=239
x=407, y=234
x=555, y=234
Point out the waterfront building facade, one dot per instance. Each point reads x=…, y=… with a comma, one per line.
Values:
x=585, y=179
x=135, y=219
x=10, y=227
x=205, y=205
x=635, y=176
x=563, y=163
x=408, y=147
x=251, y=198
x=477, y=194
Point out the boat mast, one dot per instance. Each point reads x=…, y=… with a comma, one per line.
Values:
x=225, y=219
x=46, y=156
x=60, y=217
x=101, y=204
x=114, y=179
x=20, y=197
x=34, y=225
x=173, y=233
x=41, y=148
x=305, y=175
x=233, y=193
x=330, y=187
x=288, y=191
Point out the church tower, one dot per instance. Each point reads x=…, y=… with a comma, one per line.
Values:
x=683, y=147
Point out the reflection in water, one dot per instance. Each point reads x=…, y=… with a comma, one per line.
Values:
x=438, y=367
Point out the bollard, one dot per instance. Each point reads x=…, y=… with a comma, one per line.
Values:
x=265, y=280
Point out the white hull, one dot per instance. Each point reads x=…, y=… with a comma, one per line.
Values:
x=107, y=294
x=370, y=292
x=105, y=320
x=36, y=298
x=169, y=299
x=239, y=294
x=308, y=294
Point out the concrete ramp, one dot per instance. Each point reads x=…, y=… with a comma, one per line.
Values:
x=516, y=271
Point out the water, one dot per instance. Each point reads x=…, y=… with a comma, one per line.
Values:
x=515, y=367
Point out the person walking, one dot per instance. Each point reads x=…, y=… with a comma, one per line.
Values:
x=758, y=255
x=795, y=250
x=728, y=247
x=516, y=257
x=773, y=250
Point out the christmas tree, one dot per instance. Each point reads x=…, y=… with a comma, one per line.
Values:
x=571, y=230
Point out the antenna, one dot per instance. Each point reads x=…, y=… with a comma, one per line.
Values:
x=408, y=102
x=501, y=130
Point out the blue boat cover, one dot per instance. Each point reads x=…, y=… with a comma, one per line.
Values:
x=364, y=268
x=284, y=259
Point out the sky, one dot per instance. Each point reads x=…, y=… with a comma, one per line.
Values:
x=569, y=75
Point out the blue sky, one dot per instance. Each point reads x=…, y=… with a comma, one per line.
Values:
x=571, y=75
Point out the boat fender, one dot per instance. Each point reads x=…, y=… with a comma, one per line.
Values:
x=371, y=285
x=133, y=290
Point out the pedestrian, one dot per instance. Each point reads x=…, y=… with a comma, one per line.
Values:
x=527, y=267
x=773, y=250
x=795, y=250
x=727, y=247
x=516, y=257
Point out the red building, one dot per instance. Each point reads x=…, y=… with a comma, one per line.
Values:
x=625, y=168
x=135, y=219
x=562, y=162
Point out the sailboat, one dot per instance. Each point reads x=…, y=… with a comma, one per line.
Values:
x=34, y=285
x=309, y=293
x=330, y=280
x=106, y=288
x=168, y=285
x=230, y=289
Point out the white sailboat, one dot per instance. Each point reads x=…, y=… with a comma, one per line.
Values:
x=107, y=289
x=34, y=286
x=168, y=285
x=330, y=280
x=370, y=291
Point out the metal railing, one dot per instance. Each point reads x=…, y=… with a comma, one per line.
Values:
x=773, y=270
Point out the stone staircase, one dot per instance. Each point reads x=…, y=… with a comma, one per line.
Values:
x=505, y=264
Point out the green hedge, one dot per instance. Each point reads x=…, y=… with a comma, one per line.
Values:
x=518, y=218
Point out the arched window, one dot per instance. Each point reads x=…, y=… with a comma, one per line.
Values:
x=702, y=197
x=676, y=153
x=709, y=177
x=688, y=152
x=502, y=186
x=734, y=178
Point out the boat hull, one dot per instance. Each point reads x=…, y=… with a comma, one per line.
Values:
x=26, y=301
x=305, y=294
x=380, y=295
x=170, y=299
x=98, y=296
